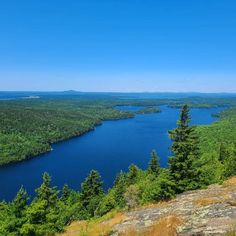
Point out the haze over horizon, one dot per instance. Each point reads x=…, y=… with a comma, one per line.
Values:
x=118, y=46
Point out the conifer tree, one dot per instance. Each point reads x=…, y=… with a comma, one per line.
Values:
x=132, y=174
x=91, y=193
x=46, y=192
x=154, y=165
x=230, y=161
x=224, y=152
x=20, y=202
x=65, y=193
x=120, y=185
x=185, y=149
x=42, y=214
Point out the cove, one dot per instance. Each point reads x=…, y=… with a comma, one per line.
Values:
x=111, y=147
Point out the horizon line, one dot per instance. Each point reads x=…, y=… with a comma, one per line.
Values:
x=141, y=92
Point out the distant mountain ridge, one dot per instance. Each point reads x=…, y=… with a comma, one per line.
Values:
x=9, y=95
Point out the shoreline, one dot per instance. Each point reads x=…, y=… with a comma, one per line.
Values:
x=144, y=111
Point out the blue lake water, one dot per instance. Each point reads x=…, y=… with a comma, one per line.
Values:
x=111, y=147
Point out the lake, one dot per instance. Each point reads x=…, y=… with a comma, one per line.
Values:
x=111, y=147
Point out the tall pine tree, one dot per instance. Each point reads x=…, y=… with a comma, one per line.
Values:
x=46, y=192
x=230, y=161
x=185, y=149
x=132, y=174
x=42, y=214
x=154, y=165
x=66, y=191
x=120, y=185
x=91, y=193
x=19, y=203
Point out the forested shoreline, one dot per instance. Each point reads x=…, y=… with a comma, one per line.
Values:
x=197, y=162
x=29, y=127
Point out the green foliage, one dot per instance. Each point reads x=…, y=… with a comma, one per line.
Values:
x=65, y=193
x=55, y=118
x=50, y=120
x=108, y=203
x=156, y=188
x=91, y=194
x=223, y=152
x=154, y=165
x=132, y=174
x=201, y=156
x=120, y=185
x=217, y=147
x=19, y=203
x=219, y=134
x=9, y=224
x=210, y=168
x=45, y=192
x=148, y=110
x=42, y=214
x=229, y=161
x=185, y=148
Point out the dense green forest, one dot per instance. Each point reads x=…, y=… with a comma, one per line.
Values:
x=28, y=127
x=201, y=156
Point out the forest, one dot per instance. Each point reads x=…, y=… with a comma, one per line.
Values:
x=202, y=155
x=28, y=127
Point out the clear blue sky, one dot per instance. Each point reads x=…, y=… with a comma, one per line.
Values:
x=118, y=45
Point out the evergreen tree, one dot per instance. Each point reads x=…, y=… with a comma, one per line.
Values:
x=19, y=203
x=132, y=174
x=154, y=165
x=224, y=152
x=91, y=193
x=230, y=161
x=185, y=148
x=211, y=169
x=65, y=193
x=42, y=214
x=15, y=217
x=120, y=185
x=115, y=196
x=46, y=192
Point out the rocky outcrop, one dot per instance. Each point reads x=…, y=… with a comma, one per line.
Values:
x=203, y=212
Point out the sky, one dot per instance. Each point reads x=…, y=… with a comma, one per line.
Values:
x=118, y=45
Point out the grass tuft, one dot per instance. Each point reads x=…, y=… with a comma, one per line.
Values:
x=165, y=226
x=100, y=227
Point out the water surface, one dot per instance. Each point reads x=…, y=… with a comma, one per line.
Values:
x=112, y=147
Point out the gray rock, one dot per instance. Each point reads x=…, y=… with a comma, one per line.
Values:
x=203, y=212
